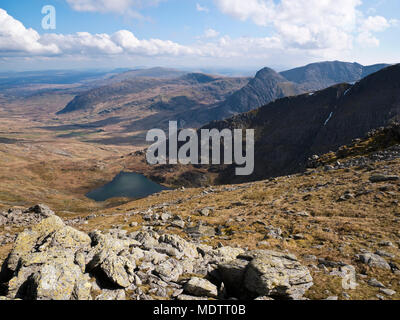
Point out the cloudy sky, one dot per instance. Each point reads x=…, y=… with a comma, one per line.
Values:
x=241, y=34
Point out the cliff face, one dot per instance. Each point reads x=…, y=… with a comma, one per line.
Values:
x=289, y=130
x=268, y=86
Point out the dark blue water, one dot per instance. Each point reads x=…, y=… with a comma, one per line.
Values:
x=126, y=185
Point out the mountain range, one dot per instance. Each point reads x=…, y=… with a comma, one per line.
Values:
x=291, y=129
x=195, y=99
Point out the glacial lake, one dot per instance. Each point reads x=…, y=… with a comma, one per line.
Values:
x=126, y=185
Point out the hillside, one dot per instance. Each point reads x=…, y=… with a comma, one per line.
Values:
x=290, y=130
x=317, y=76
x=127, y=109
x=194, y=99
x=333, y=228
x=268, y=86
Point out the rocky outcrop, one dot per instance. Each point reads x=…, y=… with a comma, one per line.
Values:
x=42, y=264
x=201, y=288
x=27, y=217
x=373, y=260
x=55, y=261
x=266, y=273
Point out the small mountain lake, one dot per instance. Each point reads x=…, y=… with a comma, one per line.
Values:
x=126, y=185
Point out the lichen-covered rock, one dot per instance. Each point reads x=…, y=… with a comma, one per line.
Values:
x=223, y=255
x=373, y=260
x=169, y=270
x=30, y=239
x=148, y=240
x=184, y=248
x=276, y=274
x=110, y=257
x=201, y=288
x=120, y=270
x=55, y=261
x=58, y=280
x=112, y=295
x=42, y=263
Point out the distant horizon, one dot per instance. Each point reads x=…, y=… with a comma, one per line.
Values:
x=210, y=70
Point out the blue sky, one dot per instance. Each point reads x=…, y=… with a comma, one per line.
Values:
x=197, y=34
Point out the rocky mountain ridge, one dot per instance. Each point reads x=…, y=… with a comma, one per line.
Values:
x=195, y=99
x=290, y=130
x=317, y=76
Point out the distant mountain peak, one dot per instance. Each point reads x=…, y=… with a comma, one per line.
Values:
x=268, y=73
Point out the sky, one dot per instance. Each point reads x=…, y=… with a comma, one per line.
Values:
x=195, y=34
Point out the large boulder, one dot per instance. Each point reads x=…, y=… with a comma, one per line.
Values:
x=277, y=274
x=29, y=239
x=109, y=259
x=42, y=263
x=265, y=273
x=201, y=288
x=183, y=248
x=169, y=270
x=373, y=260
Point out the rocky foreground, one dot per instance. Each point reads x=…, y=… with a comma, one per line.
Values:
x=340, y=218
x=55, y=261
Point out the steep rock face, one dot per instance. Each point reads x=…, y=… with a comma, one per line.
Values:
x=268, y=86
x=290, y=130
x=265, y=87
x=52, y=261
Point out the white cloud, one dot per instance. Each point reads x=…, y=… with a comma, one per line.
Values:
x=83, y=43
x=367, y=39
x=200, y=8
x=260, y=11
x=372, y=25
x=300, y=23
x=130, y=44
x=123, y=7
x=319, y=30
x=375, y=24
x=310, y=24
x=211, y=33
x=16, y=39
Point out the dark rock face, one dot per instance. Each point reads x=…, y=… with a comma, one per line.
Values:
x=290, y=130
x=265, y=87
x=268, y=86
